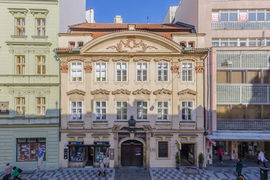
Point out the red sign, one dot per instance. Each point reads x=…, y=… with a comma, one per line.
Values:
x=215, y=17
x=243, y=16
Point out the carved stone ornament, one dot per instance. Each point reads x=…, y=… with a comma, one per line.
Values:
x=76, y=91
x=142, y=59
x=121, y=59
x=175, y=69
x=64, y=68
x=189, y=58
x=199, y=69
x=162, y=59
x=102, y=59
x=162, y=91
x=187, y=91
x=100, y=91
x=131, y=45
x=141, y=91
x=88, y=68
x=121, y=91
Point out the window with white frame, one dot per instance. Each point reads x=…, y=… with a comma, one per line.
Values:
x=101, y=74
x=76, y=110
x=40, y=105
x=121, y=111
x=187, y=71
x=40, y=65
x=121, y=71
x=142, y=71
x=163, y=110
x=242, y=42
x=76, y=71
x=141, y=110
x=19, y=26
x=100, y=110
x=20, y=106
x=163, y=71
x=186, y=110
x=20, y=65
x=41, y=27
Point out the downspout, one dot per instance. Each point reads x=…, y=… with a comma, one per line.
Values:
x=209, y=103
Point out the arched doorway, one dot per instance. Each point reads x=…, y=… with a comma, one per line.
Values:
x=132, y=153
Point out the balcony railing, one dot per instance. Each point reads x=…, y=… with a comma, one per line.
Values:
x=243, y=124
x=240, y=25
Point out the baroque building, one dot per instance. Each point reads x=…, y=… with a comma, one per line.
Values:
x=29, y=83
x=131, y=93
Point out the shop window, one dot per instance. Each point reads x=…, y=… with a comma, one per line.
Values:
x=163, y=149
x=28, y=148
x=254, y=77
x=238, y=77
x=101, y=150
x=223, y=111
x=76, y=152
x=223, y=77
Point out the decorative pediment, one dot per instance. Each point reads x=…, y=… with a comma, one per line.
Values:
x=165, y=58
x=121, y=59
x=142, y=59
x=187, y=91
x=162, y=91
x=19, y=11
x=39, y=12
x=121, y=91
x=100, y=91
x=141, y=91
x=76, y=91
x=102, y=59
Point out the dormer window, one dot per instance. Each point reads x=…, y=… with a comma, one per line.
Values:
x=71, y=44
x=80, y=44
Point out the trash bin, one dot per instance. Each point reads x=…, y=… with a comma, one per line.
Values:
x=264, y=173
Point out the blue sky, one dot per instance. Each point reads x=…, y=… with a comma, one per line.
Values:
x=132, y=11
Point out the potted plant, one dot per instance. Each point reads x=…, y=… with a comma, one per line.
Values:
x=201, y=160
x=177, y=159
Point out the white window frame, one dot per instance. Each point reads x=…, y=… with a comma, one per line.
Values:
x=100, y=71
x=41, y=106
x=121, y=71
x=42, y=27
x=116, y=108
x=186, y=110
x=71, y=111
x=147, y=111
x=162, y=111
x=101, y=108
x=162, y=71
x=182, y=70
x=147, y=67
x=76, y=71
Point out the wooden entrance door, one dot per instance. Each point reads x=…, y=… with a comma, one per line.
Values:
x=132, y=153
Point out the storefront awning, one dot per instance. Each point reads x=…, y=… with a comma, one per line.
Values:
x=258, y=136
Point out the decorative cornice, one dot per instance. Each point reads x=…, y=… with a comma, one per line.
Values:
x=121, y=91
x=189, y=58
x=162, y=91
x=76, y=91
x=28, y=43
x=142, y=59
x=39, y=11
x=102, y=59
x=121, y=59
x=18, y=10
x=141, y=91
x=100, y=91
x=165, y=58
x=187, y=91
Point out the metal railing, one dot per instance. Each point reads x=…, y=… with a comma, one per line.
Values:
x=243, y=124
x=239, y=25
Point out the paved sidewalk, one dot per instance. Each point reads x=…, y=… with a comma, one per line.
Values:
x=132, y=173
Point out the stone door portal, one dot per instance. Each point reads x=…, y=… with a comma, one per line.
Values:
x=132, y=153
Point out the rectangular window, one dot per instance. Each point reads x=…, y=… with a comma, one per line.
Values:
x=224, y=16
x=142, y=110
x=28, y=149
x=215, y=42
x=40, y=105
x=252, y=15
x=101, y=110
x=71, y=44
x=252, y=42
x=101, y=74
x=163, y=149
x=76, y=153
x=266, y=77
x=260, y=15
x=223, y=111
x=268, y=16
x=233, y=42
x=20, y=65
x=243, y=42
x=76, y=71
x=233, y=16
x=41, y=67
x=121, y=72
x=224, y=42
x=186, y=72
x=163, y=71
x=163, y=111
x=121, y=111
x=20, y=106
x=19, y=27
x=187, y=107
x=76, y=110
x=142, y=71
x=41, y=27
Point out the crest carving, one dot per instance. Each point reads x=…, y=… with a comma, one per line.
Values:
x=131, y=45
x=143, y=59
x=175, y=69
x=100, y=91
x=162, y=91
x=76, y=91
x=103, y=59
x=121, y=91
x=165, y=58
x=87, y=67
x=141, y=91
x=199, y=69
x=64, y=68
x=187, y=91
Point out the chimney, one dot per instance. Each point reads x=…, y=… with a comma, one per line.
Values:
x=89, y=15
x=118, y=19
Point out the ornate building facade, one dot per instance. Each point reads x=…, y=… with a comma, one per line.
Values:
x=132, y=94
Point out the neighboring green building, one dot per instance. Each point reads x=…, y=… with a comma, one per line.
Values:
x=29, y=83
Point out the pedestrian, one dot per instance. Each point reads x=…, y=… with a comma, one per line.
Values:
x=241, y=177
x=16, y=172
x=101, y=168
x=262, y=158
x=239, y=167
x=8, y=171
x=220, y=152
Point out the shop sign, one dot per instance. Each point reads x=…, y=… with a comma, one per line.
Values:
x=4, y=107
x=243, y=16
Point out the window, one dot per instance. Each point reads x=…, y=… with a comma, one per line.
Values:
x=224, y=42
x=252, y=15
x=187, y=107
x=142, y=110
x=254, y=77
x=142, y=71
x=76, y=71
x=163, y=71
x=224, y=16
x=233, y=16
x=76, y=153
x=28, y=148
x=186, y=72
x=191, y=44
x=233, y=42
x=41, y=67
x=20, y=106
x=41, y=27
x=101, y=74
x=163, y=149
x=20, y=65
x=101, y=110
x=260, y=15
x=76, y=110
x=121, y=111
x=243, y=42
x=162, y=111
x=80, y=44
x=215, y=42
x=121, y=71
x=71, y=44
x=268, y=16
x=19, y=27
x=183, y=44
x=40, y=105
x=252, y=42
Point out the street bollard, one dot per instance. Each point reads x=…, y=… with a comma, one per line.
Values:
x=264, y=173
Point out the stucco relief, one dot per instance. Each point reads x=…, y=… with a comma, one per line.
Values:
x=26, y=91
x=121, y=91
x=162, y=91
x=100, y=91
x=187, y=91
x=76, y=91
x=199, y=69
x=142, y=59
x=163, y=58
x=87, y=67
x=121, y=59
x=175, y=69
x=102, y=59
x=141, y=91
